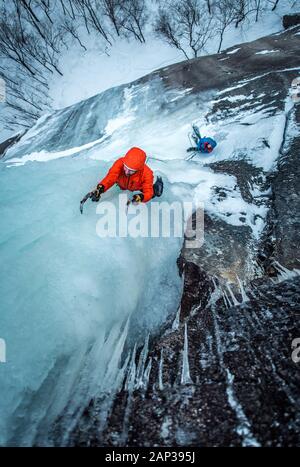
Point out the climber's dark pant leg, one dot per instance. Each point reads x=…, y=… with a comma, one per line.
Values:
x=192, y=150
x=158, y=187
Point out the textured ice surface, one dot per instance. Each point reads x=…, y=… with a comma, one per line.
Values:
x=62, y=285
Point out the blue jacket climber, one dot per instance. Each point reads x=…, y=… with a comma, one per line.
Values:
x=204, y=145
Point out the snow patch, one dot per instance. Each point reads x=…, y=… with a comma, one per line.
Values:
x=234, y=51
x=265, y=52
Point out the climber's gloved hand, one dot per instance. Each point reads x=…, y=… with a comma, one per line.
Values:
x=96, y=194
x=137, y=198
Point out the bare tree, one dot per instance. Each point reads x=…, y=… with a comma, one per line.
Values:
x=70, y=28
x=33, y=33
x=208, y=2
x=68, y=8
x=185, y=25
x=241, y=11
x=274, y=4
x=113, y=10
x=43, y=41
x=257, y=4
x=89, y=11
x=225, y=14
x=46, y=8
x=25, y=65
x=31, y=16
x=260, y=6
x=135, y=15
x=14, y=43
x=169, y=30
x=25, y=100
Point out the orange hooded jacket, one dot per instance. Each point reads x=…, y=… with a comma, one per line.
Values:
x=141, y=180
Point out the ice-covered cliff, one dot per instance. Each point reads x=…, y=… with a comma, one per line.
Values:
x=76, y=304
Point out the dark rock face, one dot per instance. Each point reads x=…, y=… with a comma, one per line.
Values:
x=241, y=388
x=282, y=237
x=247, y=176
x=197, y=287
x=291, y=20
x=222, y=70
x=226, y=255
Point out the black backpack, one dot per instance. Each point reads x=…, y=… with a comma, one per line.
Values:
x=158, y=187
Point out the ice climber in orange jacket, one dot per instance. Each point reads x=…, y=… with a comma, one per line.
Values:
x=131, y=173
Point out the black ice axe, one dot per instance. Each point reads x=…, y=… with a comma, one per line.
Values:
x=94, y=195
x=84, y=200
